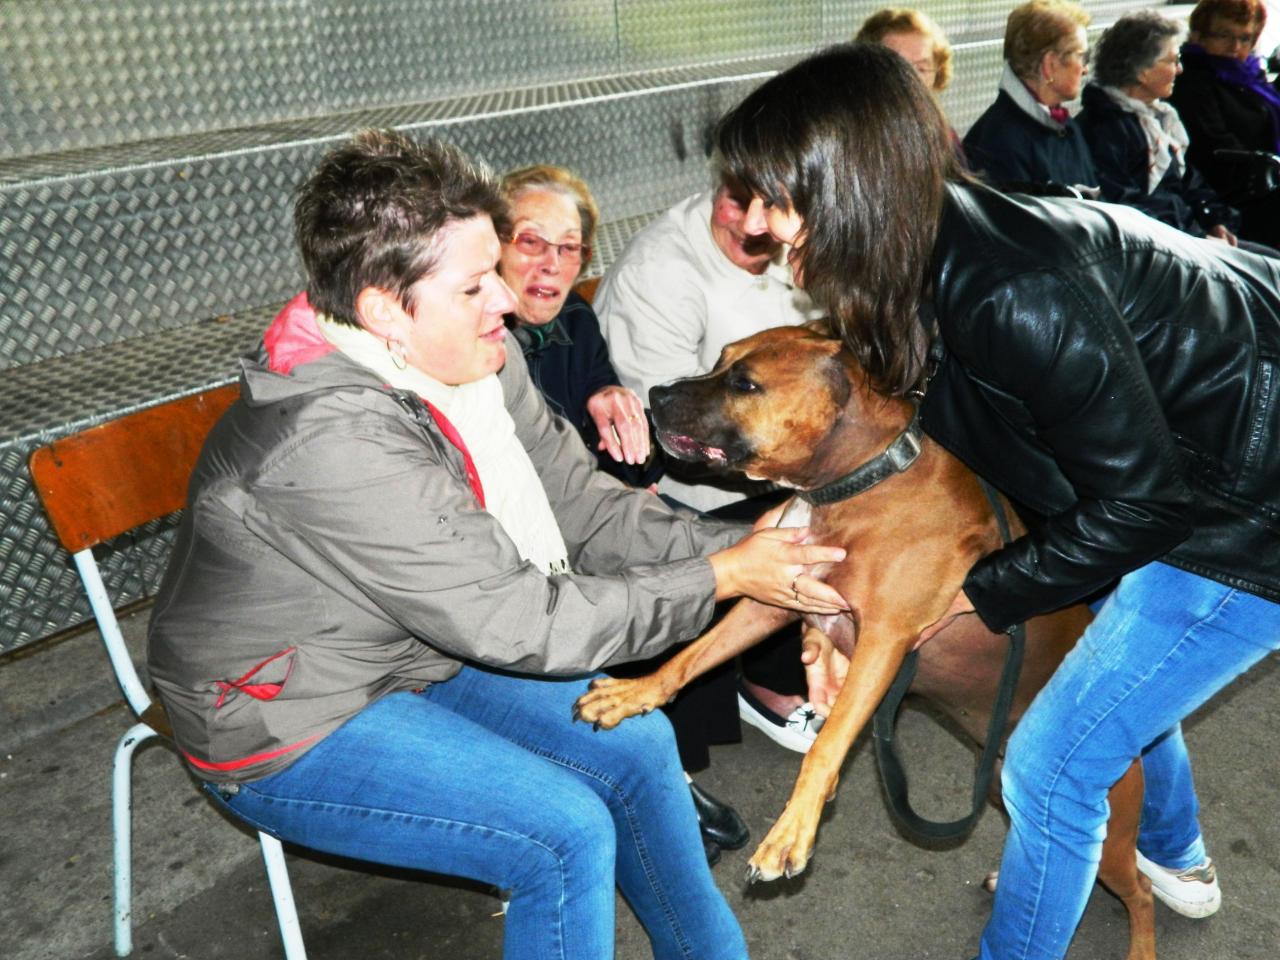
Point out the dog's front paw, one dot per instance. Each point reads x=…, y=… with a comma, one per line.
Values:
x=609, y=701
x=788, y=846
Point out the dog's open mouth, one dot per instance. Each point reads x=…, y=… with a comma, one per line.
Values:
x=687, y=448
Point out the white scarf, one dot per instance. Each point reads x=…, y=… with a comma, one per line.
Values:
x=513, y=492
x=1166, y=136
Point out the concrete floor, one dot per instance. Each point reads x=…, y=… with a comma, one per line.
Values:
x=200, y=891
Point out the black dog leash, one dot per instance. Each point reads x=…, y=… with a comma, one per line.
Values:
x=892, y=774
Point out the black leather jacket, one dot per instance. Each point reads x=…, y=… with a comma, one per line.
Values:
x=1119, y=379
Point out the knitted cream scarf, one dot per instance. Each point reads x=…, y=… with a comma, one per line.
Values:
x=1166, y=136
x=513, y=493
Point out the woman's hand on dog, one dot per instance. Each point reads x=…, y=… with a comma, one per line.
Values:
x=825, y=669
x=773, y=566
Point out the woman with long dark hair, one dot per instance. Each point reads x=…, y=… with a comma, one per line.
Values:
x=1115, y=377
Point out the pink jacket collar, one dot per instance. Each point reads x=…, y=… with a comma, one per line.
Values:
x=294, y=338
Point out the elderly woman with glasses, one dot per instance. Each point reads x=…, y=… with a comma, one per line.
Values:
x=554, y=221
x=1227, y=104
x=1027, y=138
x=553, y=218
x=914, y=36
x=1138, y=142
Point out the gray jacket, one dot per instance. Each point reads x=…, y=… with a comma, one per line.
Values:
x=333, y=553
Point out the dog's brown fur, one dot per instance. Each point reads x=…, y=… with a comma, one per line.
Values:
x=792, y=406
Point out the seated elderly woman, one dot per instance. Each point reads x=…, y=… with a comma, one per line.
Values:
x=553, y=224
x=390, y=538
x=1138, y=142
x=1027, y=137
x=553, y=229
x=914, y=36
x=1226, y=103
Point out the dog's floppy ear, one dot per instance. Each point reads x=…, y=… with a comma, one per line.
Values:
x=837, y=376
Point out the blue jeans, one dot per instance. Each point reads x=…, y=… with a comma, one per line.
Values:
x=487, y=776
x=1162, y=645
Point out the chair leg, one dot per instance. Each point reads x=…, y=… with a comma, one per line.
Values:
x=282, y=894
x=122, y=833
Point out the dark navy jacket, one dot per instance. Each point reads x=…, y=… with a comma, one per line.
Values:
x=1009, y=147
x=568, y=362
x=1119, y=147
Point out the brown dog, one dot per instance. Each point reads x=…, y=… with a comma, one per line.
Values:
x=791, y=406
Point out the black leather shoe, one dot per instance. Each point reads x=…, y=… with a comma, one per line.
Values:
x=719, y=821
x=712, y=850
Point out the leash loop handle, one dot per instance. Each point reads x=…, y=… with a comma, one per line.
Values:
x=893, y=775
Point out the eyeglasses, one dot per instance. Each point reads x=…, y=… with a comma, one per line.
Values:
x=532, y=245
x=925, y=68
x=1234, y=39
x=1084, y=56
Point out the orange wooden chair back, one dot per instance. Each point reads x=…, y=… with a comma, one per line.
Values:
x=105, y=480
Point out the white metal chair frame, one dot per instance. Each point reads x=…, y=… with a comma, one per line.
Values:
x=141, y=704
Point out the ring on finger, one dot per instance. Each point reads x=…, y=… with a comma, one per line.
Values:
x=795, y=592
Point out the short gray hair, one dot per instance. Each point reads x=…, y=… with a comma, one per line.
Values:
x=1131, y=45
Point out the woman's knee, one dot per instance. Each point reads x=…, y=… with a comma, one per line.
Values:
x=577, y=839
x=1042, y=786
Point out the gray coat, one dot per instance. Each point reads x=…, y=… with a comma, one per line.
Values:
x=333, y=553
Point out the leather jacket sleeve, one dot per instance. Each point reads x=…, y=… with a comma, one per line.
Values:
x=1056, y=354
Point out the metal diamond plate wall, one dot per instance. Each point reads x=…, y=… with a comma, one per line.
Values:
x=77, y=74
x=94, y=258
x=39, y=590
x=654, y=33
x=427, y=49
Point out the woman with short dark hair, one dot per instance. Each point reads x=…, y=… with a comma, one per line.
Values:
x=1107, y=372
x=397, y=566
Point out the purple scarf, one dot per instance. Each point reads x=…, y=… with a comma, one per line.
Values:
x=1245, y=75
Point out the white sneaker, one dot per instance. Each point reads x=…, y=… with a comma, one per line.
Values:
x=1193, y=892
x=796, y=731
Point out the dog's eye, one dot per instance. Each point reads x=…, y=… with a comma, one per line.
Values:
x=740, y=383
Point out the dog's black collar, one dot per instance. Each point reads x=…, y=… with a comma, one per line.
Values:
x=897, y=457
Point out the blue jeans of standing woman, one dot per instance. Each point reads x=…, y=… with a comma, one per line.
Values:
x=1163, y=644
x=487, y=776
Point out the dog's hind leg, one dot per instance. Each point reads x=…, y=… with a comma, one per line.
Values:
x=610, y=700
x=1119, y=868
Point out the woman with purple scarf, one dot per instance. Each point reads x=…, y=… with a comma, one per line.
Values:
x=1227, y=103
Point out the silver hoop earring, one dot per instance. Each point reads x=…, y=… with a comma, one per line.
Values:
x=397, y=351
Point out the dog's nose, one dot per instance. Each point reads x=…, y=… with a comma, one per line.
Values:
x=659, y=396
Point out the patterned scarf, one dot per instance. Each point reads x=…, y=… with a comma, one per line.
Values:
x=1166, y=136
